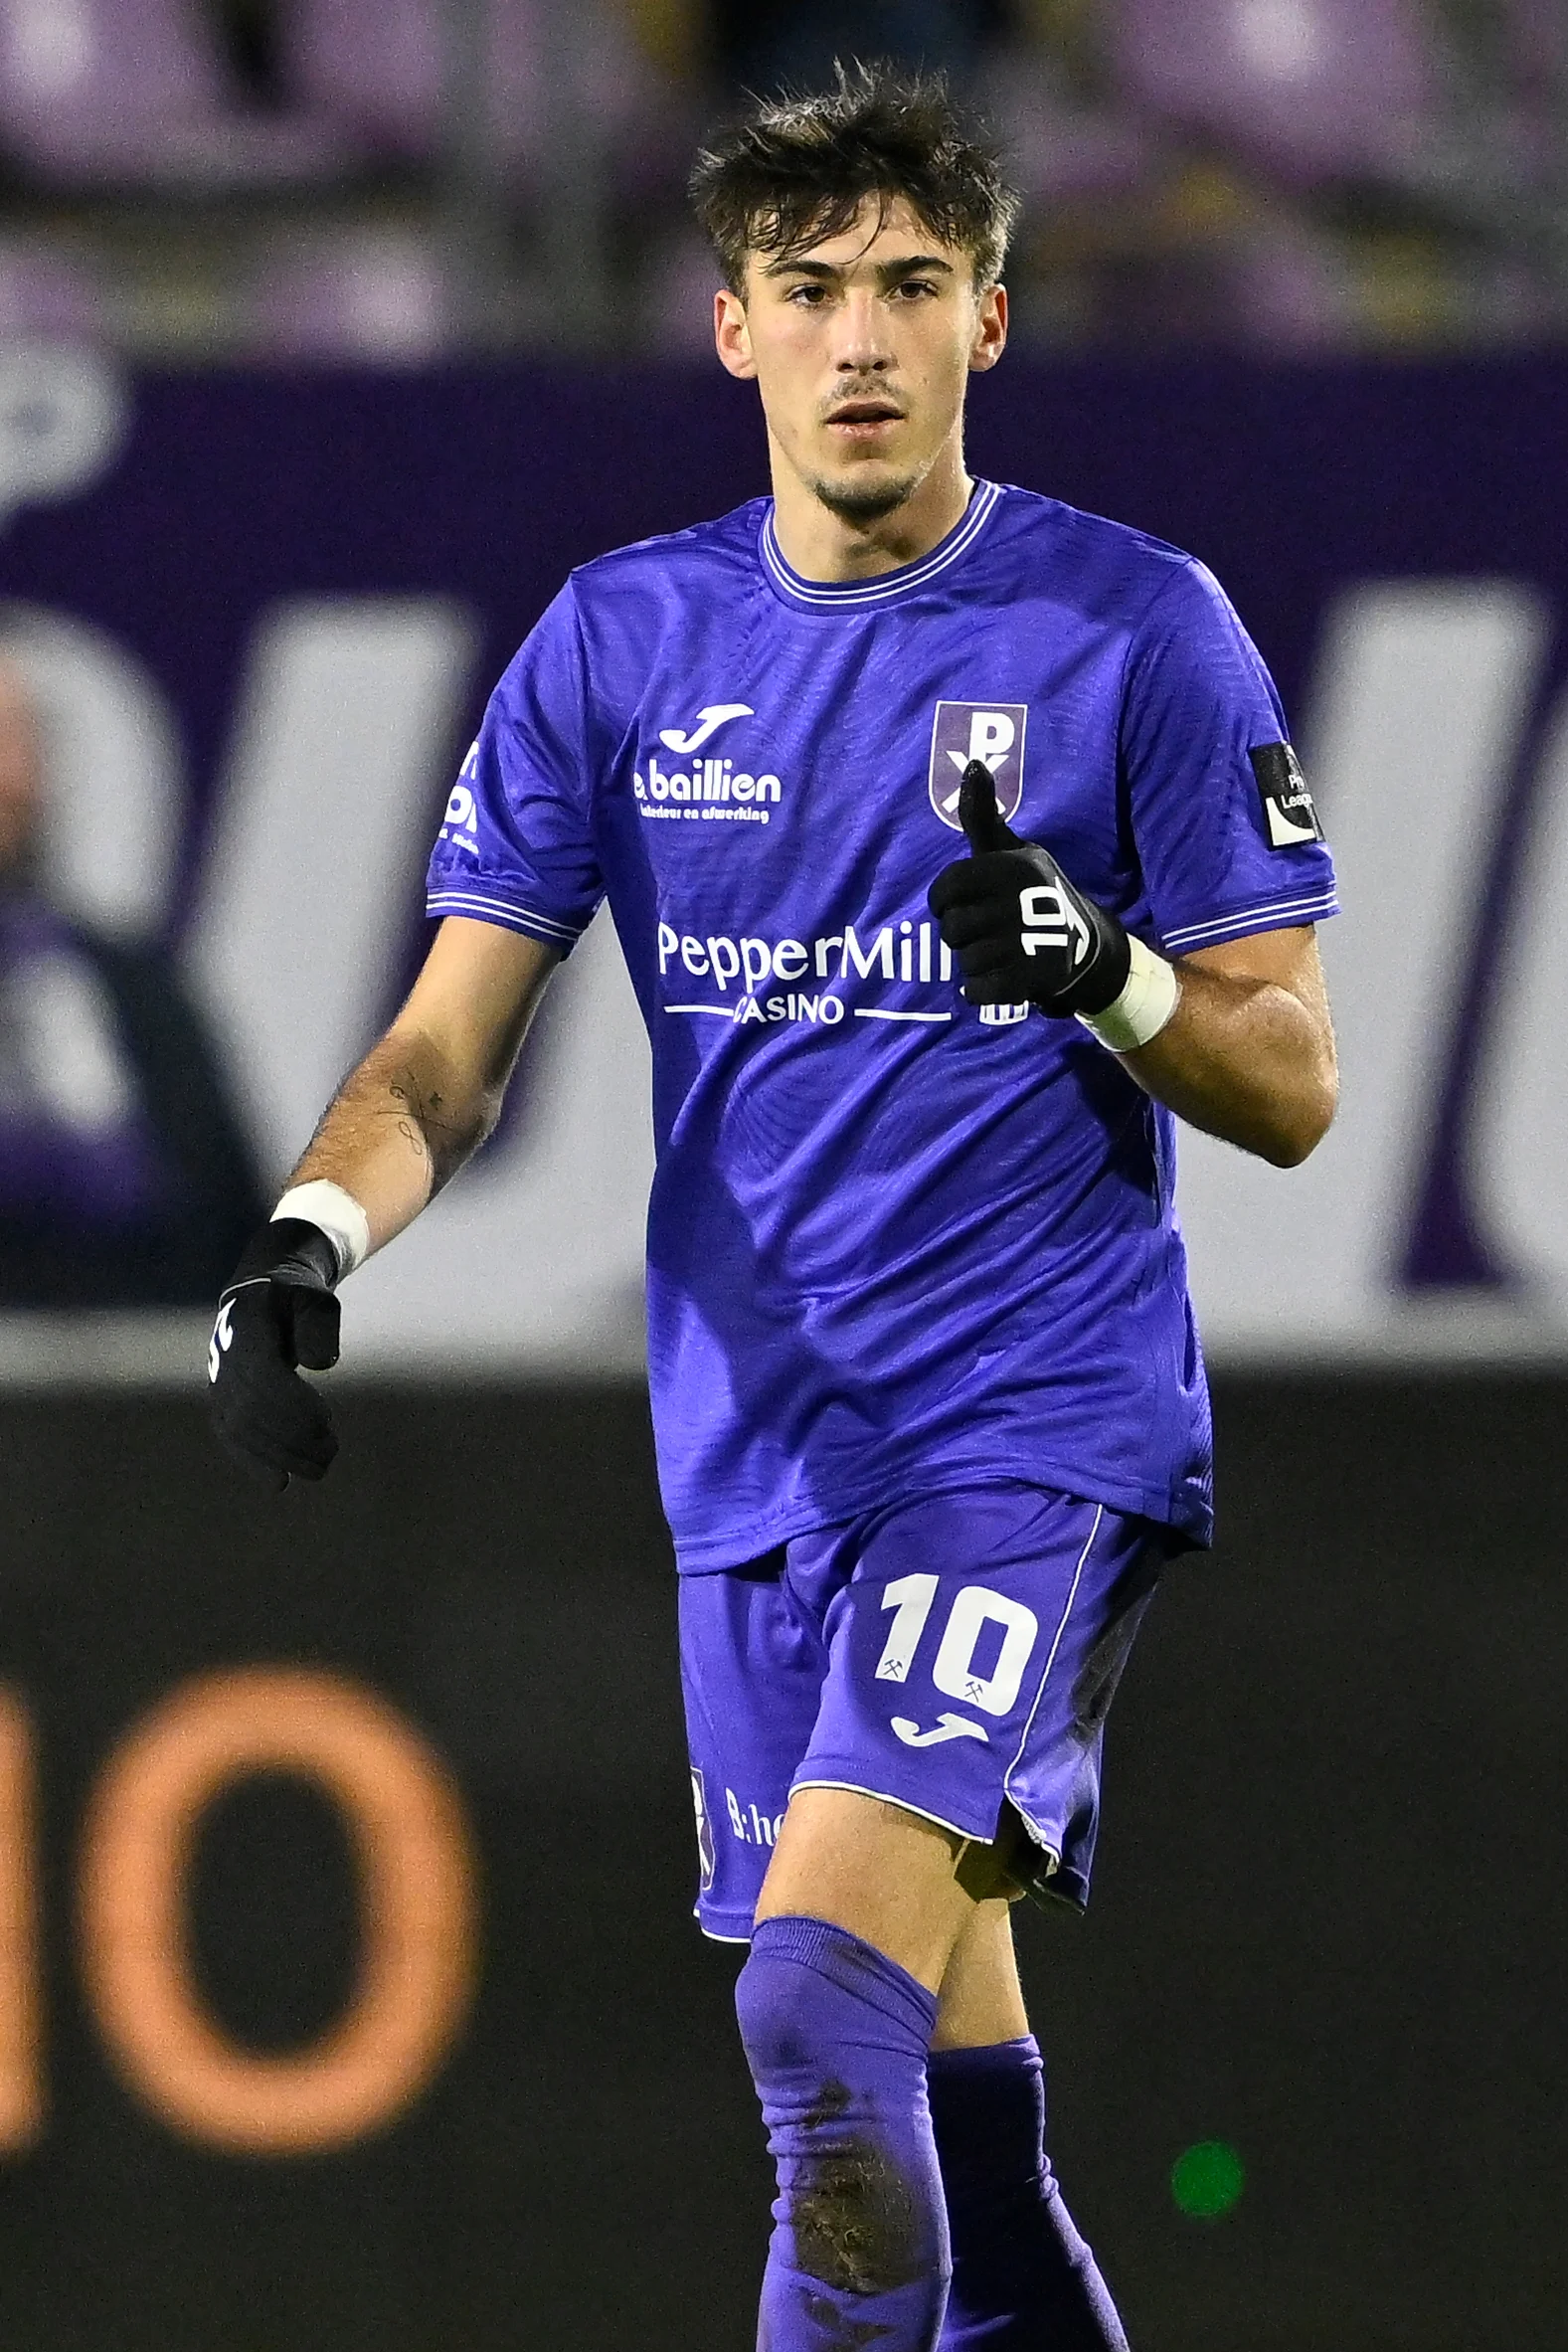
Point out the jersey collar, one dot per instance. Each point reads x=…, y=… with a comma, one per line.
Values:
x=889, y=588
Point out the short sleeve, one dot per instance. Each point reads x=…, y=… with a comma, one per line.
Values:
x=515, y=845
x=1227, y=838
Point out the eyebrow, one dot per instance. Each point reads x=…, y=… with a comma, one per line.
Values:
x=887, y=271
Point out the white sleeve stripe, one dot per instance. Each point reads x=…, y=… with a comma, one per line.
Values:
x=1275, y=908
x=1276, y=913
x=500, y=910
x=507, y=918
x=1269, y=918
x=466, y=902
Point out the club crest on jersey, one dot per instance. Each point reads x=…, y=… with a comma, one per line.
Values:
x=966, y=731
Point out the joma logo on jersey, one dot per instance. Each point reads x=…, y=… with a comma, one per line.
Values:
x=966, y=731
x=709, y=721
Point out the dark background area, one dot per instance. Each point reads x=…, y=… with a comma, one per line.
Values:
x=1328, y=1925
x=399, y=180
x=238, y=489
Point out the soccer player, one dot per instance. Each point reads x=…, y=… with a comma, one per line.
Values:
x=955, y=842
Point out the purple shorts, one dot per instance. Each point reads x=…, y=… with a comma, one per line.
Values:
x=955, y=1656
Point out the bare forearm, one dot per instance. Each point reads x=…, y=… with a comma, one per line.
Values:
x=426, y=1098
x=398, y=1129
x=1245, y=1059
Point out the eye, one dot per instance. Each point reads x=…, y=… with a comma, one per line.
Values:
x=916, y=285
x=809, y=297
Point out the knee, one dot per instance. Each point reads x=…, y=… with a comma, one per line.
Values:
x=808, y=1988
x=779, y=2009
x=837, y=2037
x=861, y=2217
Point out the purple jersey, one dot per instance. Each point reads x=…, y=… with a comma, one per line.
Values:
x=895, y=1245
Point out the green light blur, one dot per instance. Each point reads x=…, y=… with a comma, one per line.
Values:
x=1207, y=2179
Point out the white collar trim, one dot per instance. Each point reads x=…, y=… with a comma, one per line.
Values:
x=854, y=595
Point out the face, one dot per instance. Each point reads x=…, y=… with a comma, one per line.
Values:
x=862, y=348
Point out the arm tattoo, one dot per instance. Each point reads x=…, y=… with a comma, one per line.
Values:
x=439, y=1133
x=425, y=1121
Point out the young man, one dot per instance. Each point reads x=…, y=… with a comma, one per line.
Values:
x=928, y=1402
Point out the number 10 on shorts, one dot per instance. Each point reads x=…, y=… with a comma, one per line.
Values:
x=955, y=1671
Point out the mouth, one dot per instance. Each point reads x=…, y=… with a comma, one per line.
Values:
x=857, y=420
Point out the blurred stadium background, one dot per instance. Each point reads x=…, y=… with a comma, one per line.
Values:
x=347, y=1994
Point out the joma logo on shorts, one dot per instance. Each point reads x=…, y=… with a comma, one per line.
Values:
x=948, y=1727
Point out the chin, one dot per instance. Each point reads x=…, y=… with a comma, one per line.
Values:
x=865, y=498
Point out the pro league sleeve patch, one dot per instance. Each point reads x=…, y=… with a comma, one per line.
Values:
x=1287, y=811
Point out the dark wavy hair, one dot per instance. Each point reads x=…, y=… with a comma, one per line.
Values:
x=795, y=171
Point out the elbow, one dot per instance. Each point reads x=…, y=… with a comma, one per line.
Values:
x=1289, y=1148
x=1301, y=1125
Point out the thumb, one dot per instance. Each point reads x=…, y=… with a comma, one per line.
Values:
x=982, y=821
x=316, y=1315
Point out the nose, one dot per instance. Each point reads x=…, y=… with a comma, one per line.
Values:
x=862, y=341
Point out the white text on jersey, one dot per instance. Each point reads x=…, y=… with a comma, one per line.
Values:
x=898, y=951
x=713, y=781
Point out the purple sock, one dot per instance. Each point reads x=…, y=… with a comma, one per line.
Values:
x=1023, y=2278
x=837, y=2037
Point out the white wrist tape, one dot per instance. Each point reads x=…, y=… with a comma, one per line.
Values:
x=1143, y=1007
x=339, y=1217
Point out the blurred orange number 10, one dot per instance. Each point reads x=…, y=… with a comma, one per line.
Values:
x=21, y=2061
x=418, y=1932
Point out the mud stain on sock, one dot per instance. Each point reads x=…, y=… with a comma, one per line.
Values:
x=841, y=2334
x=857, y=2226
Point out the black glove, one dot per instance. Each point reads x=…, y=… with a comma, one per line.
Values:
x=280, y=1310
x=1021, y=931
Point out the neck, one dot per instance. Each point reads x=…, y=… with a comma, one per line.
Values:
x=822, y=545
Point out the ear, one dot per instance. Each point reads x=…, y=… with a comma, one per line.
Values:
x=991, y=330
x=732, y=334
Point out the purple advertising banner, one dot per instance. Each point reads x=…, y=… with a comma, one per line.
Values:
x=264, y=611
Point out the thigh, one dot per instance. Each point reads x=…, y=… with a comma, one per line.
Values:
x=752, y=1666
x=971, y=1655
x=979, y=2000
x=920, y=1894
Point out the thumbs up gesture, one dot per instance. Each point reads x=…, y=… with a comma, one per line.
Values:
x=1021, y=931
